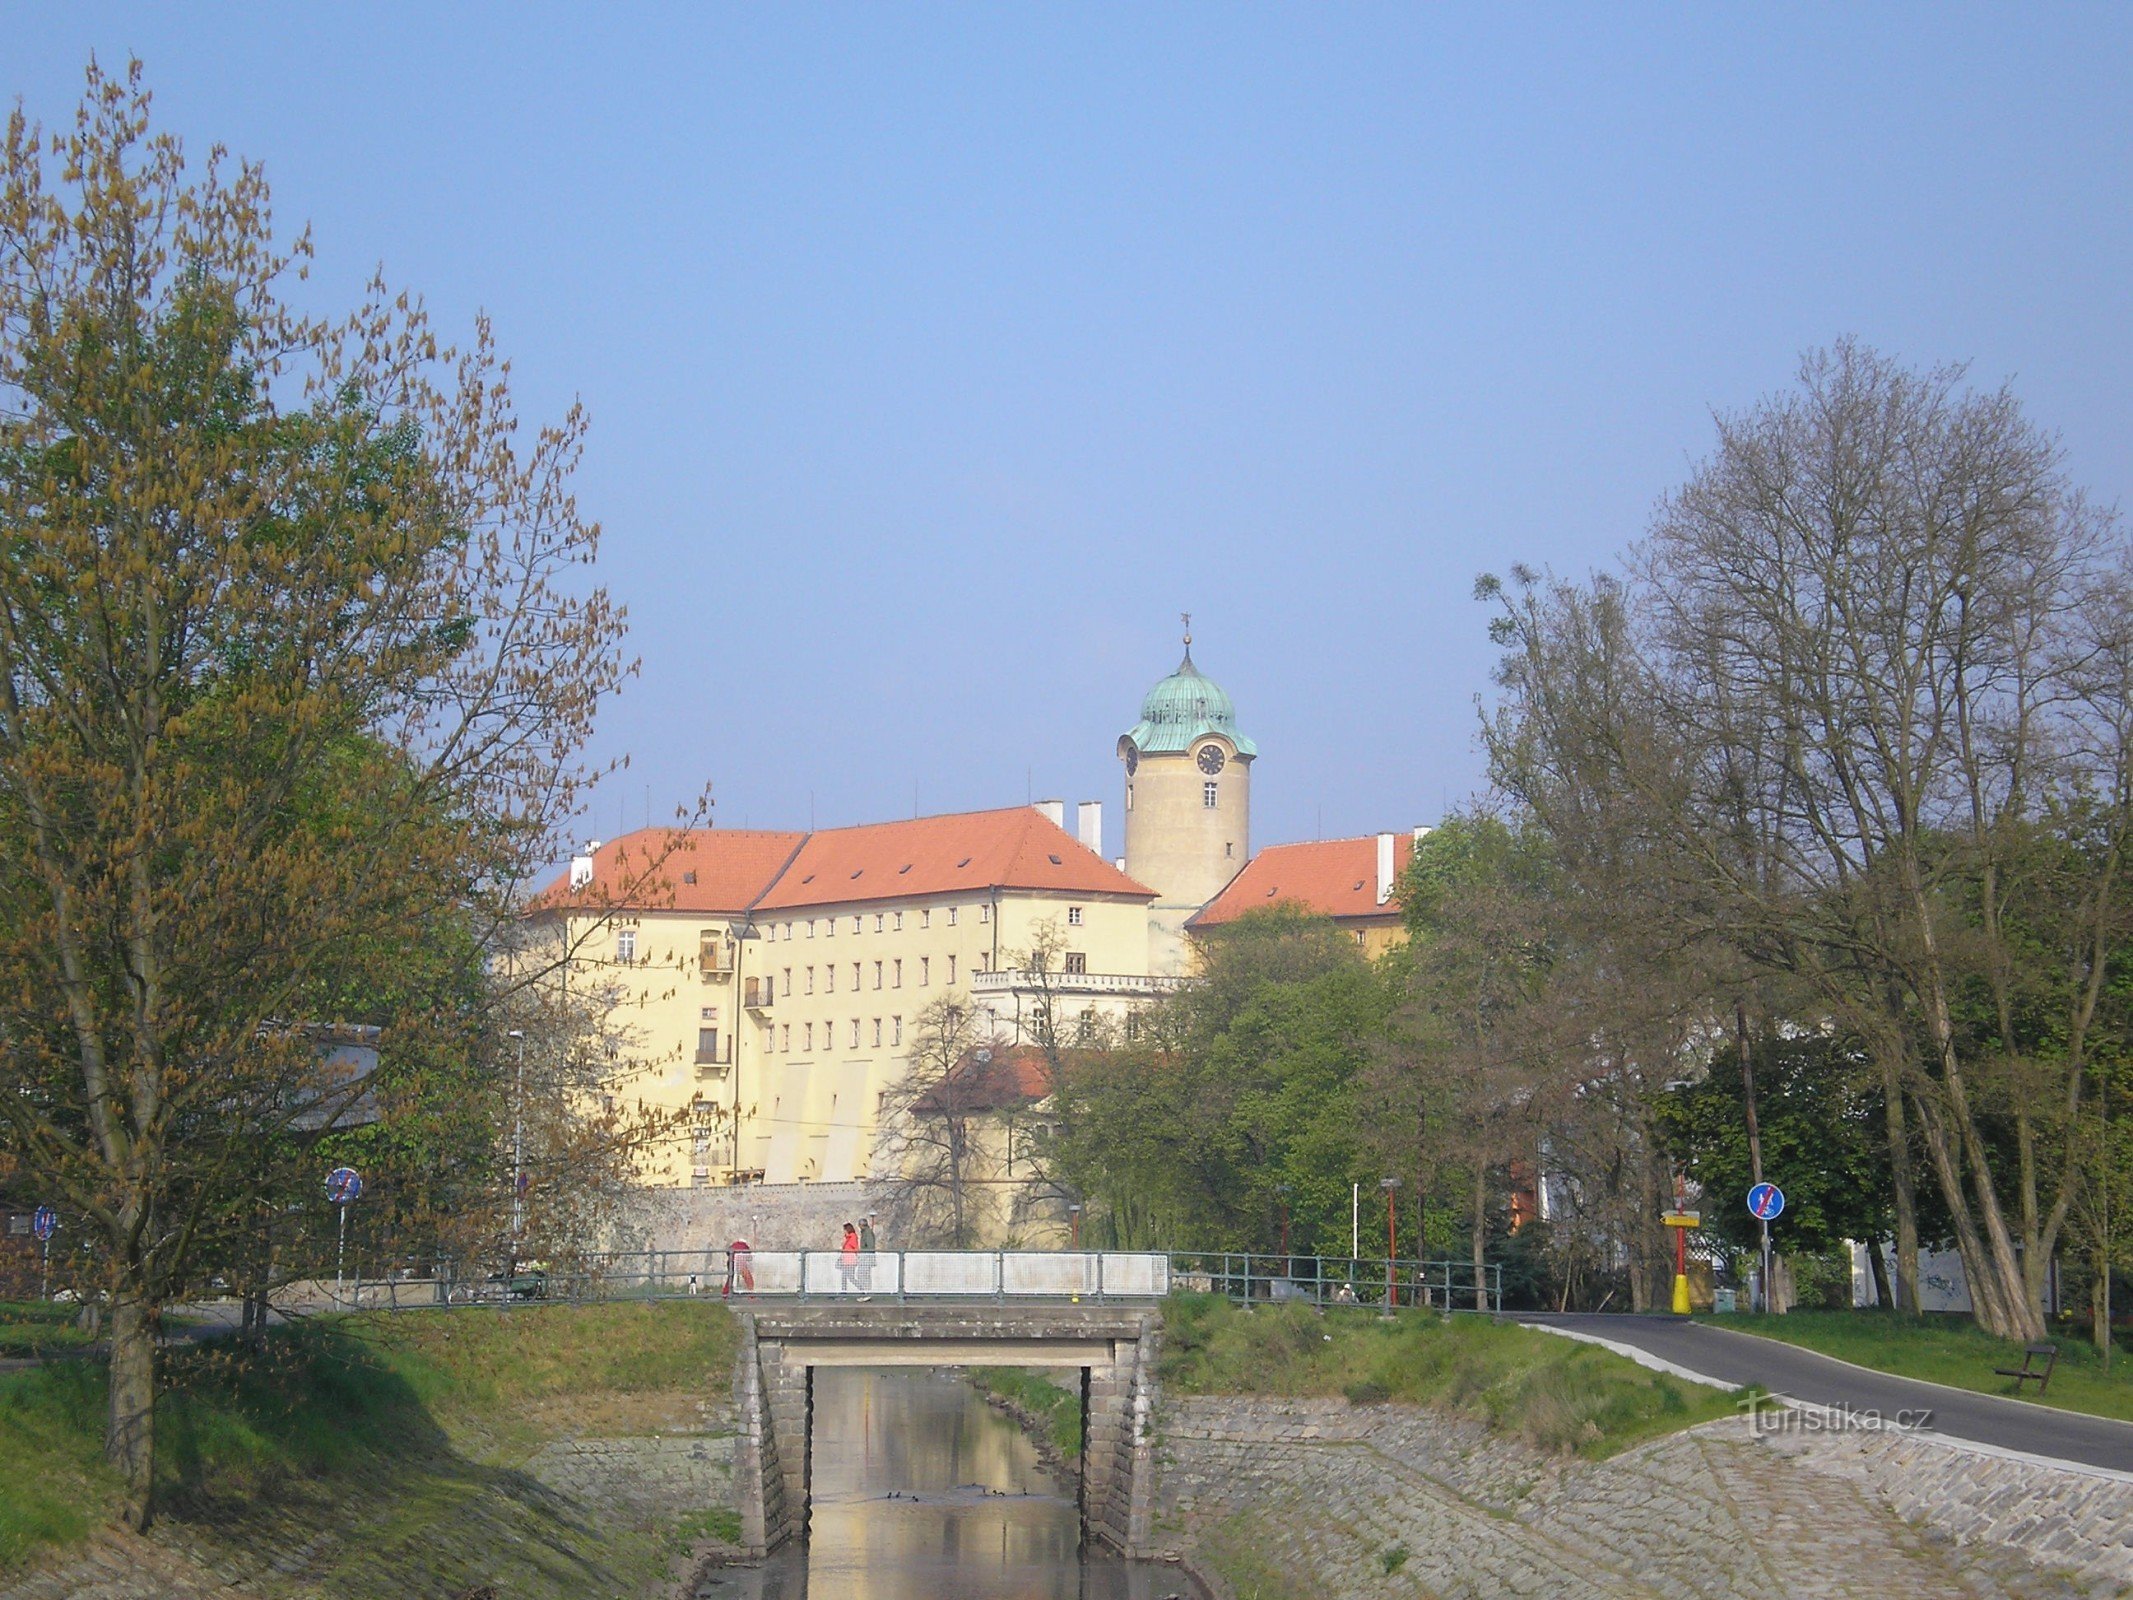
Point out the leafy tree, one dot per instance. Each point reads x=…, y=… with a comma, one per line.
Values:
x=1876, y=651
x=1235, y=1102
x=293, y=658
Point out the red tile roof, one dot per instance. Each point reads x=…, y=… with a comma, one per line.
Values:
x=719, y=869
x=1017, y=848
x=694, y=869
x=1333, y=877
x=990, y=1078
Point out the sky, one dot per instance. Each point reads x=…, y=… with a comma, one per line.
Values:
x=939, y=357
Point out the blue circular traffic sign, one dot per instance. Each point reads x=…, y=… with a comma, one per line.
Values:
x=1765, y=1201
x=44, y=1222
x=344, y=1186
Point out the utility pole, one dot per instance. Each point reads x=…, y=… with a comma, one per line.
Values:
x=1755, y=1137
x=518, y=1149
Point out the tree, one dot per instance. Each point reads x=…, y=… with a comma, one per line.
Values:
x=242, y=553
x=930, y=1144
x=1235, y=1101
x=1862, y=705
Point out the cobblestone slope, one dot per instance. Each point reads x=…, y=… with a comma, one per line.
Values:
x=1317, y=1498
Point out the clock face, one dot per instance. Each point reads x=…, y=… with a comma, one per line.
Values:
x=1133, y=759
x=1211, y=759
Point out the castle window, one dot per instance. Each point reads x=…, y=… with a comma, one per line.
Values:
x=785, y=1039
x=925, y=971
x=878, y=919
x=626, y=945
x=1077, y=961
x=925, y=917
x=896, y=1030
x=877, y=974
x=1129, y=797
x=951, y=969
x=985, y=913
x=877, y=1033
x=896, y=922
x=855, y=1033
x=810, y=927
x=1229, y=852
x=855, y=976
x=807, y=1036
x=951, y=915
x=1073, y=916
x=855, y=922
x=829, y=977
x=897, y=974
x=1207, y=794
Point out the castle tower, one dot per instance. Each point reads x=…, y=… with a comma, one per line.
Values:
x=1188, y=801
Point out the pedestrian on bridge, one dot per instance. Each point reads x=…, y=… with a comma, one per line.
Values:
x=848, y=1260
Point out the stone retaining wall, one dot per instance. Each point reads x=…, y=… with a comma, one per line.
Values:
x=1320, y=1500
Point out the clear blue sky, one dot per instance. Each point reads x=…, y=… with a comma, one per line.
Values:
x=938, y=357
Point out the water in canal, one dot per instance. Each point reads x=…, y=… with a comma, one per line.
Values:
x=921, y=1491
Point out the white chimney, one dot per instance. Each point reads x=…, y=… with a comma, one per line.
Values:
x=1089, y=824
x=1422, y=831
x=1055, y=810
x=1120, y=863
x=581, y=866
x=1384, y=867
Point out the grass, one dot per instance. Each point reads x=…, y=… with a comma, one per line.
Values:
x=337, y=1399
x=39, y=1328
x=1058, y=1408
x=1557, y=1395
x=1949, y=1349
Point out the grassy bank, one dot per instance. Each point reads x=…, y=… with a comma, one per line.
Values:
x=1045, y=1404
x=40, y=1328
x=1557, y=1395
x=1948, y=1349
x=393, y=1419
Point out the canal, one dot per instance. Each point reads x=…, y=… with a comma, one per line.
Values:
x=921, y=1491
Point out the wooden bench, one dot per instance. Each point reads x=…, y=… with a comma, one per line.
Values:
x=2030, y=1371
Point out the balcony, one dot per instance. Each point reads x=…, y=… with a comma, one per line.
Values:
x=760, y=994
x=1025, y=981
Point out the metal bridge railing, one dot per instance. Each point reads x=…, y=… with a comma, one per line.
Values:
x=1339, y=1280
x=895, y=1276
x=827, y=1275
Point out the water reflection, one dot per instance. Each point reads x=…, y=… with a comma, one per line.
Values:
x=922, y=1492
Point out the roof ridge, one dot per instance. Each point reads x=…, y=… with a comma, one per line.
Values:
x=778, y=876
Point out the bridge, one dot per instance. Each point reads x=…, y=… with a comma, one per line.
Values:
x=1092, y=1313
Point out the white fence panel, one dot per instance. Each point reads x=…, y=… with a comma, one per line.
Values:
x=1048, y=1273
x=1136, y=1274
x=961, y=1272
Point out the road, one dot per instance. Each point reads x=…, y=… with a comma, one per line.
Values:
x=1740, y=1359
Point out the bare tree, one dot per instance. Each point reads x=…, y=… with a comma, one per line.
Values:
x=1861, y=710
x=931, y=1148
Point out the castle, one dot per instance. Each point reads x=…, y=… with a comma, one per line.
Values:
x=770, y=982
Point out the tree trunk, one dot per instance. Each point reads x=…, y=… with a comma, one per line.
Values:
x=1903, y=1182
x=1481, y=1238
x=1878, y=1270
x=129, y=1433
x=2100, y=1308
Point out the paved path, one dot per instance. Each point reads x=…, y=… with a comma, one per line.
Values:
x=1741, y=1358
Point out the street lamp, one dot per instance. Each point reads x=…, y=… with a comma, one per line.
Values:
x=1074, y=1225
x=1392, y=1240
x=518, y=1147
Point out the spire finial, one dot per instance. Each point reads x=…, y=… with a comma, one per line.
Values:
x=1186, y=618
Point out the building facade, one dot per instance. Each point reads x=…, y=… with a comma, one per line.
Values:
x=765, y=988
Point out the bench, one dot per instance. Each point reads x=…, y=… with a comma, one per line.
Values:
x=2030, y=1371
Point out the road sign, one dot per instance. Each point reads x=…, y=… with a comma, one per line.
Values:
x=1765, y=1201
x=44, y=1222
x=1681, y=1219
x=344, y=1186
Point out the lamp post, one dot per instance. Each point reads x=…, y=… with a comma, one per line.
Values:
x=1074, y=1225
x=518, y=1147
x=1392, y=1241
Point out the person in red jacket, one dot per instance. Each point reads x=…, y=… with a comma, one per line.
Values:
x=848, y=1260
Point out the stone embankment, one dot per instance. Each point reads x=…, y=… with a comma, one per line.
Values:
x=591, y=1513
x=1321, y=1500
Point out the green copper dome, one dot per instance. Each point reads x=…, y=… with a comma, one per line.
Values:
x=1178, y=712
